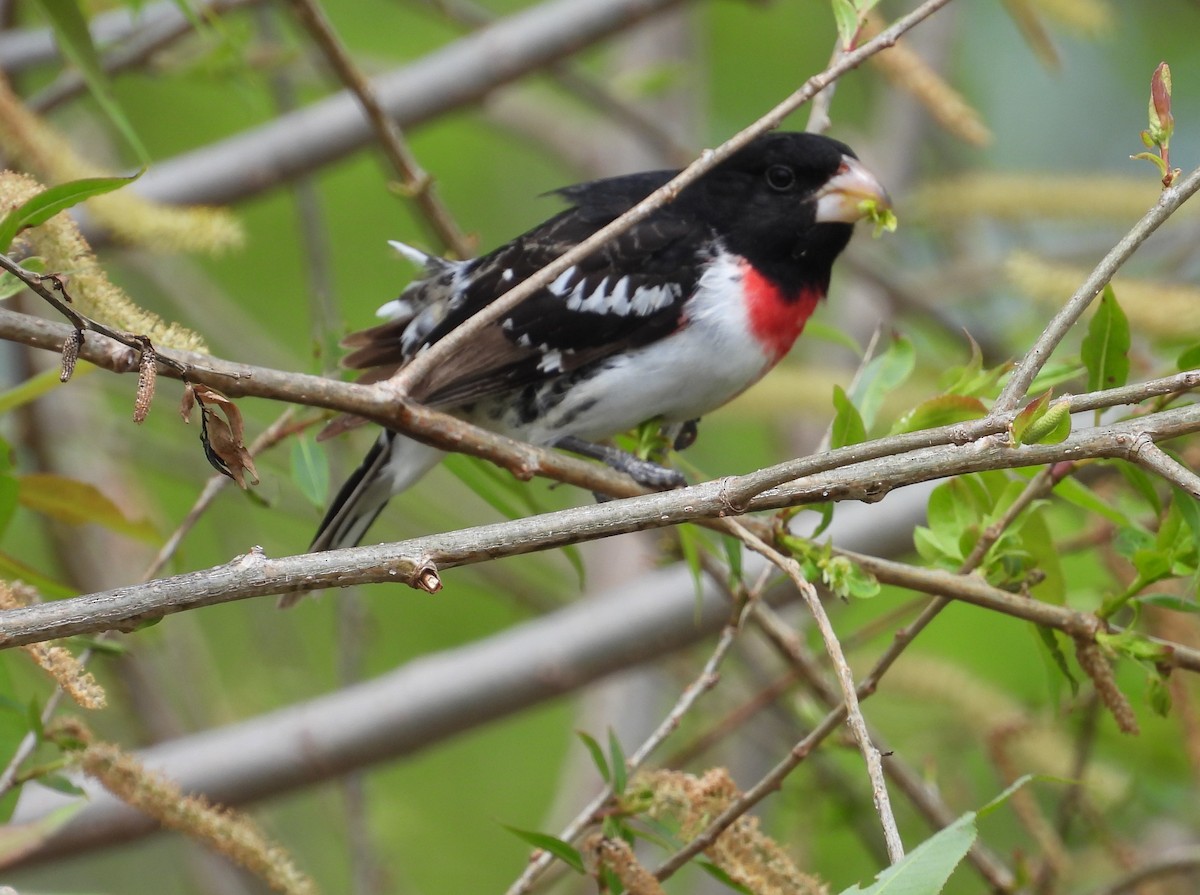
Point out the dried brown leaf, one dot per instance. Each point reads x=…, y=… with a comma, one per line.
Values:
x=221, y=432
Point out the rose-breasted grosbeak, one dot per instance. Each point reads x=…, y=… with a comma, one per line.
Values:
x=671, y=319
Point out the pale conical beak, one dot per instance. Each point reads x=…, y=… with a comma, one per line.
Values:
x=840, y=200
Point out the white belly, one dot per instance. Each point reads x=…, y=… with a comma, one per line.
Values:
x=703, y=365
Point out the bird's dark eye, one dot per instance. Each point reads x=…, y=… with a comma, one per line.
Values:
x=781, y=178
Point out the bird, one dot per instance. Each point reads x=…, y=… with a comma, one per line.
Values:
x=668, y=321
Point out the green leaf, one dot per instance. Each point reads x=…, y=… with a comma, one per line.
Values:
x=880, y=216
x=1105, y=348
x=1189, y=359
x=1048, y=638
x=944, y=410
x=71, y=32
x=13, y=728
x=1052, y=427
x=310, y=469
x=59, y=783
x=9, y=489
x=849, y=579
x=597, y=754
x=1174, y=602
x=925, y=869
x=825, y=511
x=848, y=426
x=1133, y=645
x=883, y=375
x=1075, y=492
x=36, y=386
x=564, y=851
x=817, y=329
x=1189, y=510
x=734, y=557
x=10, y=285
x=76, y=502
x=692, y=548
x=51, y=201
x=619, y=768
x=1037, y=537
x=971, y=379
x=18, y=840
x=11, y=567
x=1158, y=695
x=1054, y=375
x=1029, y=414
x=1143, y=484
x=723, y=878
x=846, y=17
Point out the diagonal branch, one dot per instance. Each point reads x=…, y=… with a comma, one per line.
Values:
x=418, y=185
x=845, y=678
x=462, y=72
x=1035, y=359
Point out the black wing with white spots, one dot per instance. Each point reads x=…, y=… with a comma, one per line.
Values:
x=629, y=293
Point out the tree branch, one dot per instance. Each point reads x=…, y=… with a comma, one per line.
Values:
x=416, y=562
x=1035, y=359
x=845, y=679
x=461, y=72
x=418, y=185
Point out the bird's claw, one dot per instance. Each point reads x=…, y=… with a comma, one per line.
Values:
x=644, y=472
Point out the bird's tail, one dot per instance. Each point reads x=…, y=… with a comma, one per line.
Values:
x=393, y=464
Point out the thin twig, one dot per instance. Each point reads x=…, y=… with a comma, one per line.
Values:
x=420, y=367
x=604, y=100
x=1030, y=365
x=418, y=185
x=845, y=677
x=890, y=573
x=1154, y=459
x=703, y=682
x=81, y=323
x=269, y=438
x=923, y=796
x=152, y=34
x=818, y=112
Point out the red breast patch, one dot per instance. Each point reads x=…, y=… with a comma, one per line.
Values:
x=776, y=319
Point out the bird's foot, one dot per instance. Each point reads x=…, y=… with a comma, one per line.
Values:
x=644, y=472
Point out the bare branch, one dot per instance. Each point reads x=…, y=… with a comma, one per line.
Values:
x=1035, y=359
x=417, y=183
x=924, y=795
x=24, y=48
x=412, y=707
x=462, y=72
x=1156, y=460
x=414, y=561
x=845, y=678
x=156, y=29
x=703, y=682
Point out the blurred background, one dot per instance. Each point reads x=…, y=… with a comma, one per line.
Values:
x=1004, y=202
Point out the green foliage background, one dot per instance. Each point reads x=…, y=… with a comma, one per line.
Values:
x=435, y=818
